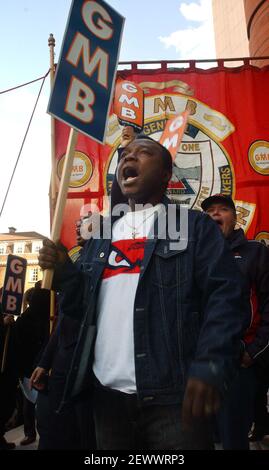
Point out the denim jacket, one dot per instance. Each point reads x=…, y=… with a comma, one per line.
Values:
x=188, y=312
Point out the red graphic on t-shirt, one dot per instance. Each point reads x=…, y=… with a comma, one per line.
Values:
x=125, y=256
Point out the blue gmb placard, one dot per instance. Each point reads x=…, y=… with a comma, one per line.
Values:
x=13, y=287
x=86, y=70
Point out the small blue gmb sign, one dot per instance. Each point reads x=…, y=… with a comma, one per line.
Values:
x=13, y=287
x=86, y=70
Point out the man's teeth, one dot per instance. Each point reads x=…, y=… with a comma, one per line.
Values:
x=130, y=178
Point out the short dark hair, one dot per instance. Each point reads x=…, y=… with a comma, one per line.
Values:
x=167, y=158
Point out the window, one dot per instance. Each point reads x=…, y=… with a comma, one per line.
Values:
x=19, y=248
x=10, y=248
x=2, y=249
x=34, y=275
x=36, y=246
x=27, y=247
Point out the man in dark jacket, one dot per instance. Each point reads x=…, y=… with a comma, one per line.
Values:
x=252, y=258
x=168, y=311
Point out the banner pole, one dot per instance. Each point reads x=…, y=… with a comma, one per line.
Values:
x=51, y=43
x=4, y=358
x=61, y=199
x=52, y=310
x=53, y=194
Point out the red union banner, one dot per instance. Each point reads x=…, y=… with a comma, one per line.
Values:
x=225, y=147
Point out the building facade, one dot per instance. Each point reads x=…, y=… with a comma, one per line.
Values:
x=241, y=29
x=25, y=245
x=257, y=20
x=230, y=29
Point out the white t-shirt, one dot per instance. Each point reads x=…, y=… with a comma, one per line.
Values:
x=114, y=364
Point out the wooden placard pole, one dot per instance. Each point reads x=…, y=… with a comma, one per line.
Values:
x=61, y=199
x=53, y=195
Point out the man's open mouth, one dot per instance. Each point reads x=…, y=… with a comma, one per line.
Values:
x=219, y=222
x=129, y=175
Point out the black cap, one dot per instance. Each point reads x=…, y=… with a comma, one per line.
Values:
x=217, y=199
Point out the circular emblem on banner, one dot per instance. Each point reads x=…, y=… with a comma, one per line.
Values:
x=81, y=172
x=263, y=237
x=202, y=165
x=258, y=156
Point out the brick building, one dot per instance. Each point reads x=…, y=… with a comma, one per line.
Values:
x=230, y=30
x=257, y=20
x=241, y=29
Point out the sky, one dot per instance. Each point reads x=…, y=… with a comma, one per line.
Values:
x=180, y=30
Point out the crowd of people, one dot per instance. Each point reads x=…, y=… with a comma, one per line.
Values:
x=162, y=340
x=27, y=337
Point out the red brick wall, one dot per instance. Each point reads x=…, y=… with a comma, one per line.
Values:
x=257, y=18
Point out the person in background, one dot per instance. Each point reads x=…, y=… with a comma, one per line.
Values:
x=28, y=335
x=59, y=427
x=252, y=258
x=260, y=428
x=8, y=378
x=32, y=333
x=62, y=427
